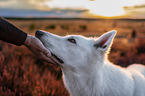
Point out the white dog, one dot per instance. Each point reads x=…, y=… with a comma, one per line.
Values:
x=86, y=69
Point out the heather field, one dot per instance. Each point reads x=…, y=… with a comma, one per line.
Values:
x=23, y=74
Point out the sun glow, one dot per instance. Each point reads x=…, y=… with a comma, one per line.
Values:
x=110, y=8
x=105, y=8
x=107, y=12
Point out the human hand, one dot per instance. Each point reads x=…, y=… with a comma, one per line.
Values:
x=35, y=45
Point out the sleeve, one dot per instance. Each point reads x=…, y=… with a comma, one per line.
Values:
x=10, y=33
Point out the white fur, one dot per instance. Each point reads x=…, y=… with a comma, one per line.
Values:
x=87, y=71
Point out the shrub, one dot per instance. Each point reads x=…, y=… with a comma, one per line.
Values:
x=140, y=46
x=22, y=74
x=83, y=27
x=51, y=27
x=32, y=27
x=65, y=27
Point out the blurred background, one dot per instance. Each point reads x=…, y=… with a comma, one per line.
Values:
x=22, y=74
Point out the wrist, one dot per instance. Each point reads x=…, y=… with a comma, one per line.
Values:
x=27, y=41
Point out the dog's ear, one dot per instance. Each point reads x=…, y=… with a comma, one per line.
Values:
x=105, y=41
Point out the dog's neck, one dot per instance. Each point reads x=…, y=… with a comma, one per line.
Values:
x=78, y=82
x=99, y=80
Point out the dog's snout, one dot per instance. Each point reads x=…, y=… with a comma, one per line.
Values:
x=39, y=33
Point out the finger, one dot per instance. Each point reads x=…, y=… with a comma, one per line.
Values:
x=50, y=57
x=39, y=54
x=55, y=60
x=44, y=56
x=46, y=52
x=41, y=48
x=49, y=60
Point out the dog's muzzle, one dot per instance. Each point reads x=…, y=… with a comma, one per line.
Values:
x=39, y=33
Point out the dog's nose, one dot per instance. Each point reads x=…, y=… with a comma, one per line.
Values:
x=39, y=33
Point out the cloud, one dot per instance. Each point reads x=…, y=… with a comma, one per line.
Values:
x=4, y=0
x=134, y=7
x=140, y=6
x=70, y=8
x=58, y=13
x=24, y=4
x=136, y=14
x=136, y=11
x=36, y=8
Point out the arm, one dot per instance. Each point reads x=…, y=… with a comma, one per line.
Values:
x=11, y=34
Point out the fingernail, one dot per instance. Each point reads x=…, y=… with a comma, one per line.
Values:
x=49, y=54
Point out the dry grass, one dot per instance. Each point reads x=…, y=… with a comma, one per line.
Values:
x=82, y=27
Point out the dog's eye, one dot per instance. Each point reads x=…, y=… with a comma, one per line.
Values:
x=72, y=40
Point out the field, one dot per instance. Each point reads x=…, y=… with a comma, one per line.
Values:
x=22, y=74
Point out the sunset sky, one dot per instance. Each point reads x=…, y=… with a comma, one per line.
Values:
x=73, y=8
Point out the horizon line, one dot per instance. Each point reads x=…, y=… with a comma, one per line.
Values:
x=68, y=18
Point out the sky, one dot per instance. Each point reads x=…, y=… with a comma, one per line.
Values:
x=73, y=8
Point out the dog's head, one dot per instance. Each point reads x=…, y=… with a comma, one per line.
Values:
x=75, y=51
